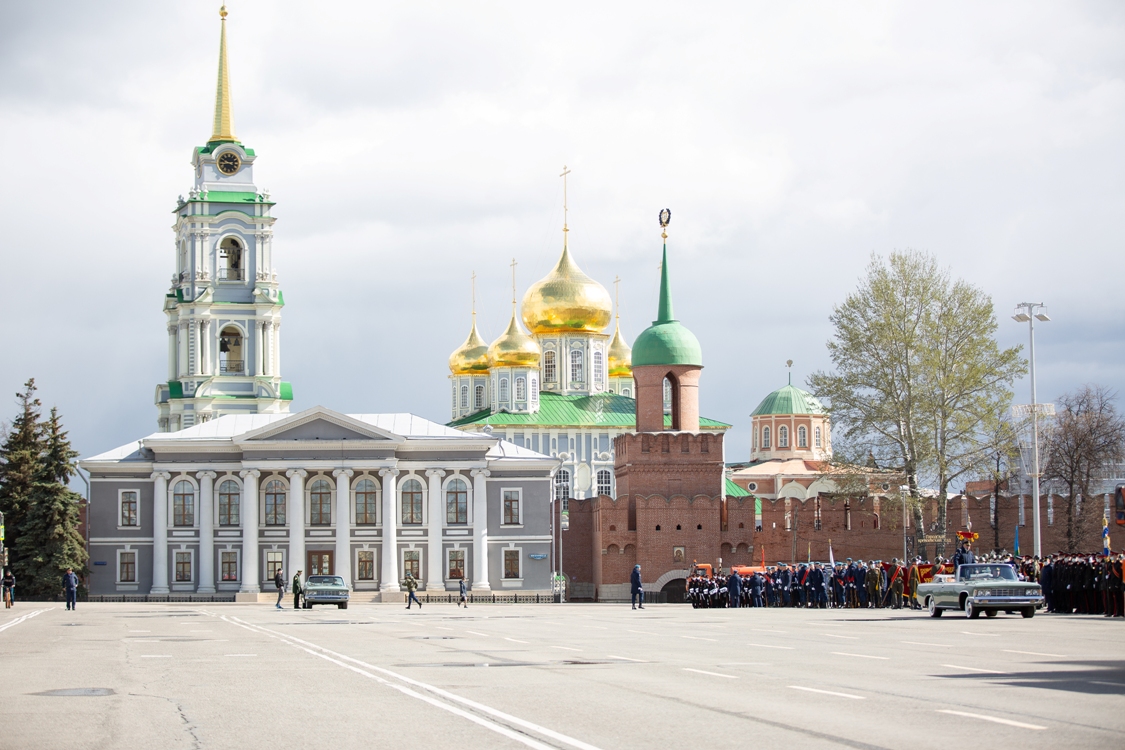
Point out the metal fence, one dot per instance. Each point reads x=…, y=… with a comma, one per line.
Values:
x=490, y=598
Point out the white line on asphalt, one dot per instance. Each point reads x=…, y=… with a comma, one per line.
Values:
x=861, y=656
x=827, y=692
x=241, y=654
x=24, y=618
x=995, y=719
x=990, y=635
x=567, y=648
x=514, y=640
x=764, y=645
x=713, y=674
x=482, y=635
x=920, y=643
x=1033, y=653
x=972, y=669
x=641, y=632
x=697, y=638
x=626, y=658
x=498, y=728
x=849, y=637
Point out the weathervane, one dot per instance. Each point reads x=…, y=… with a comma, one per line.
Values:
x=789, y=364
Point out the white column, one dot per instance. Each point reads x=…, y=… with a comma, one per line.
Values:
x=205, y=345
x=206, y=532
x=253, y=366
x=344, y=524
x=434, y=568
x=182, y=334
x=267, y=347
x=277, y=348
x=248, y=510
x=172, y=352
x=388, y=577
x=197, y=364
x=480, y=530
x=160, y=532
x=296, y=517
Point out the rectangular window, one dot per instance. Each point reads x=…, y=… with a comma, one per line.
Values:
x=549, y=367
x=229, y=501
x=521, y=389
x=366, y=502
x=511, y=506
x=457, y=503
x=576, y=366
x=127, y=567
x=183, y=567
x=129, y=508
x=365, y=570
x=228, y=561
x=456, y=564
x=605, y=482
x=511, y=563
x=275, y=561
x=412, y=563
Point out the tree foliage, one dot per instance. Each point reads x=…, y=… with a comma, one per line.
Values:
x=20, y=463
x=919, y=378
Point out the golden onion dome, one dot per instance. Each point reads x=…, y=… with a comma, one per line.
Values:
x=566, y=300
x=514, y=349
x=471, y=358
x=620, y=356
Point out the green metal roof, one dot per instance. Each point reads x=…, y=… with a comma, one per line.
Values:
x=286, y=390
x=789, y=400
x=733, y=490
x=215, y=144
x=667, y=341
x=556, y=410
x=175, y=389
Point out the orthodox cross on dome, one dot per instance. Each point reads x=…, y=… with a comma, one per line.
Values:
x=565, y=172
x=474, y=285
x=514, y=264
x=617, y=296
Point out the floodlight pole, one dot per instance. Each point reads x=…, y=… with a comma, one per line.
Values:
x=1031, y=311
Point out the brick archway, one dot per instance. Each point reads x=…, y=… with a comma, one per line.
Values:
x=671, y=575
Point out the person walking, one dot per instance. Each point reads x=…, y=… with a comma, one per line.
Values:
x=70, y=586
x=636, y=588
x=9, y=589
x=464, y=601
x=297, y=590
x=279, y=582
x=411, y=587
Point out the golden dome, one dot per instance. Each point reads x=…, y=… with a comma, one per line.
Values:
x=514, y=349
x=620, y=356
x=471, y=358
x=566, y=300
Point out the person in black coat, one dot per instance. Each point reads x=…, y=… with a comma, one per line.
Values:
x=1046, y=581
x=734, y=589
x=636, y=589
x=964, y=556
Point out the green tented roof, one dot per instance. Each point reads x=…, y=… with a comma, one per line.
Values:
x=556, y=410
x=733, y=490
x=789, y=400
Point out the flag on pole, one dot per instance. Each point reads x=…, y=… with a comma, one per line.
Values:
x=1105, y=536
x=1017, y=538
x=810, y=552
x=831, y=558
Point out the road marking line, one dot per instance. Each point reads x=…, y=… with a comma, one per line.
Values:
x=626, y=658
x=567, y=648
x=972, y=669
x=713, y=674
x=849, y=637
x=995, y=719
x=482, y=635
x=990, y=635
x=697, y=638
x=514, y=640
x=861, y=656
x=24, y=618
x=1033, y=653
x=641, y=632
x=764, y=645
x=828, y=692
x=340, y=660
x=240, y=654
x=919, y=643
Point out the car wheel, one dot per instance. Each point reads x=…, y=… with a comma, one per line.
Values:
x=931, y=603
x=991, y=613
x=970, y=611
x=342, y=605
x=1028, y=612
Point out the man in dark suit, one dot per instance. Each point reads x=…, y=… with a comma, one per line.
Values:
x=636, y=588
x=734, y=589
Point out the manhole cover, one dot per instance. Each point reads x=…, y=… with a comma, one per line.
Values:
x=76, y=692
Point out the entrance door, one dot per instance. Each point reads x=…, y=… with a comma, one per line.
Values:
x=320, y=563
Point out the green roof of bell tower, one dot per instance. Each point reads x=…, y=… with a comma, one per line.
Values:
x=666, y=341
x=789, y=399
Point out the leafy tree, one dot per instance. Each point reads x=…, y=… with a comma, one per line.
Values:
x=1087, y=435
x=49, y=541
x=20, y=468
x=919, y=376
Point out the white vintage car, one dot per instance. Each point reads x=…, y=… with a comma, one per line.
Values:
x=982, y=587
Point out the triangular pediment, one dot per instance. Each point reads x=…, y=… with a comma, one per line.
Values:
x=318, y=424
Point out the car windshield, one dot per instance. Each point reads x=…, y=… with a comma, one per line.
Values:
x=986, y=573
x=327, y=580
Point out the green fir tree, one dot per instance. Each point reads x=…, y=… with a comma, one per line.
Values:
x=20, y=468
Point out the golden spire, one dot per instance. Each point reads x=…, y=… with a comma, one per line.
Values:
x=471, y=358
x=620, y=355
x=223, y=128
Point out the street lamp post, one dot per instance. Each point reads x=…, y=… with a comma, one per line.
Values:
x=1029, y=312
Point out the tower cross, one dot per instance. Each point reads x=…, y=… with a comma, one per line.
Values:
x=565, y=172
x=617, y=295
x=514, y=264
x=474, y=282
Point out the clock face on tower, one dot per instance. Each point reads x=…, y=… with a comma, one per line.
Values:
x=229, y=163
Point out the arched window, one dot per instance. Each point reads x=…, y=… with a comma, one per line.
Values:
x=320, y=503
x=598, y=376
x=521, y=389
x=503, y=390
x=576, y=366
x=765, y=438
x=183, y=504
x=783, y=437
x=802, y=437
x=366, y=502
x=230, y=260
x=549, y=371
x=605, y=482
x=456, y=502
x=230, y=497
x=275, y=502
x=562, y=485
x=464, y=397
x=626, y=393
x=534, y=390
x=478, y=397
x=667, y=396
x=411, y=502
x=230, y=352
x=816, y=437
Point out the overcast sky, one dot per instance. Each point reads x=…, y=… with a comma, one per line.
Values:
x=409, y=144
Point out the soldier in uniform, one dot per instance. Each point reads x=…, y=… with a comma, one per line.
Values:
x=914, y=579
x=896, y=584
x=785, y=584
x=873, y=578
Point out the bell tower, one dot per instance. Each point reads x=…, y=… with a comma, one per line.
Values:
x=224, y=305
